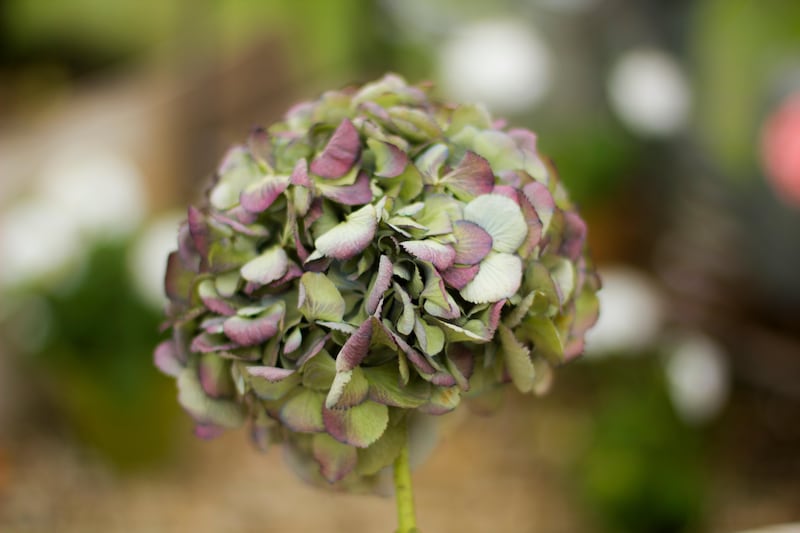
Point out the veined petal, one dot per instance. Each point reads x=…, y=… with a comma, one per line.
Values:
x=499, y=277
x=501, y=217
x=473, y=243
x=458, y=277
x=441, y=255
x=472, y=177
x=340, y=154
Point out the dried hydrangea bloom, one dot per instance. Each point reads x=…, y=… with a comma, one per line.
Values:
x=375, y=255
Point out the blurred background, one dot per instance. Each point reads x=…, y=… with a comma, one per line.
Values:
x=674, y=123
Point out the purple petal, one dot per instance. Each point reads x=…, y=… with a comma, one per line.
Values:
x=441, y=255
x=260, y=196
x=166, y=359
x=524, y=139
x=419, y=362
x=508, y=191
x=390, y=161
x=252, y=231
x=541, y=200
x=198, y=228
x=340, y=154
x=247, y=331
x=443, y=379
x=208, y=431
x=242, y=215
x=315, y=348
x=300, y=174
x=376, y=110
x=472, y=177
x=383, y=280
x=574, y=236
x=207, y=342
x=270, y=373
x=458, y=277
x=292, y=272
x=494, y=317
x=359, y=193
x=186, y=248
x=356, y=348
x=534, y=228
x=473, y=243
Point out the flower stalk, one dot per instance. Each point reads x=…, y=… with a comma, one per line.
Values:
x=406, y=518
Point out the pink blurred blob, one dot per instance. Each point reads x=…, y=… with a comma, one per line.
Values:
x=780, y=149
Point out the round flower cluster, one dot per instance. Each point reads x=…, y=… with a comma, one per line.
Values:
x=376, y=255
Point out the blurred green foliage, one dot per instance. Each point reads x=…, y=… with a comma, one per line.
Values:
x=740, y=50
x=96, y=364
x=643, y=468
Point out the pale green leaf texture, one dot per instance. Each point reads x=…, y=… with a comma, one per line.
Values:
x=518, y=360
x=319, y=298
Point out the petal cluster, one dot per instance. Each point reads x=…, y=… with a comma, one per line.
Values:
x=376, y=255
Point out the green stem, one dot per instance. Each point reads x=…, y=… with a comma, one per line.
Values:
x=406, y=520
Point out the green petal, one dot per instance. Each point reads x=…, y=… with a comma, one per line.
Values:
x=430, y=338
x=319, y=372
x=303, y=412
x=502, y=219
x=443, y=400
x=382, y=452
x=405, y=324
x=319, y=299
x=385, y=387
x=562, y=271
x=349, y=388
x=358, y=426
x=545, y=337
x=271, y=384
x=499, y=277
x=518, y=360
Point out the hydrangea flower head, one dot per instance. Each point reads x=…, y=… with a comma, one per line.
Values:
x=376, y=255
